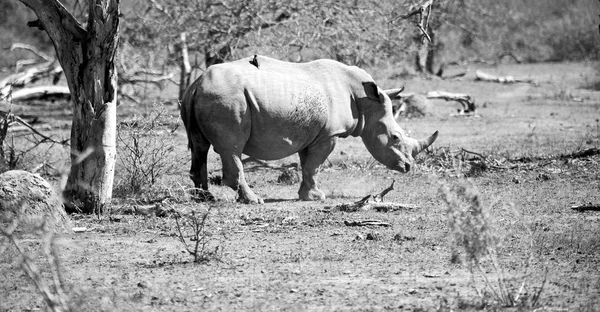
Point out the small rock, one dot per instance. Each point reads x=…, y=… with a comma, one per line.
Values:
x=373, y=236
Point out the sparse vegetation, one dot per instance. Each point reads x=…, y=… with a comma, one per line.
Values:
x=146, y=151
x=475, y=233
x=194, y=233
x=53, y=290
x=533, y=151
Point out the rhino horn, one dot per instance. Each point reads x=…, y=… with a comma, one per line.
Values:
x=423, y=144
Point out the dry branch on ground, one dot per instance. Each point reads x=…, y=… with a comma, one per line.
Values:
x=464, y=99
x=479, y=75
x=373, y=202
x=586, y=207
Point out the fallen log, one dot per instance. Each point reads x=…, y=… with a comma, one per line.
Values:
x=479, y=75
x=464, y=99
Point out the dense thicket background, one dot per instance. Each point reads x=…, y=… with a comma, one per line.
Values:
x=365, y=33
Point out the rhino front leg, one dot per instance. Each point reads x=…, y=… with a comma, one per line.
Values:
x=233, y=176
x=311, y=158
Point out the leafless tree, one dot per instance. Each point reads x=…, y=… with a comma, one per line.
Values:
x=86, y=53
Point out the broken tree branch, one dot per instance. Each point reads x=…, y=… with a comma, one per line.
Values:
x=10, y=118
x=30, y=75
x=41, y=92
x=372, y=201
x=157, y=80
x=423, y=21
x=32, y=49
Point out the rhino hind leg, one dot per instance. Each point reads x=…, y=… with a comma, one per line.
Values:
x=233, y=176
x=199, y=171
x=311, y=158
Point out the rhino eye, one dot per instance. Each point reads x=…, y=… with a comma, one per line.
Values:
x=397, y=138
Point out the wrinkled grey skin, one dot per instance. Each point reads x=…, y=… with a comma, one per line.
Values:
x=278, y=109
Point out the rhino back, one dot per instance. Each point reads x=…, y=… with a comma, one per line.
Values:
x=281, y=107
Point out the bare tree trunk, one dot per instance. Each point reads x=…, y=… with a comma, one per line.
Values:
x=87, y=57
x=425, y=57
x=186, y=68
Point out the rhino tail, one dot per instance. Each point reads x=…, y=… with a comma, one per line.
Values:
x=189, y=118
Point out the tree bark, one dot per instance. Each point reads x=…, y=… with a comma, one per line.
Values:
x=87, y=57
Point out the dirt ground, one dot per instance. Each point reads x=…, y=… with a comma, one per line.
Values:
x=288, y=255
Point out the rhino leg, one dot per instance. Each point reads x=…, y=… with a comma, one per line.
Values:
x=311, y=158
x=233, y=176
x=199, y=172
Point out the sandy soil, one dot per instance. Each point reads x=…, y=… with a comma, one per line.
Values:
x=288, y=255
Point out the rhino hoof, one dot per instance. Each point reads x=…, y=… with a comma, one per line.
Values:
x=311, y=195
x=253, y=201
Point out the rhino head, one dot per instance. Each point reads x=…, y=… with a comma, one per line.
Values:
x=385, y=140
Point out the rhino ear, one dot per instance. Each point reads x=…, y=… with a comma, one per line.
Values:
x=372, y=91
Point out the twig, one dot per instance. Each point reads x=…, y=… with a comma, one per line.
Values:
x=57, y=299
x=12, y=118
x=44, y=137
x=423, y=22
x=32, y=49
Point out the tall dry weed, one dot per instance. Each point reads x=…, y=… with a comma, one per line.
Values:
x=473, y=232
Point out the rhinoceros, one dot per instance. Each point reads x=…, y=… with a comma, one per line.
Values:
x=270, y=109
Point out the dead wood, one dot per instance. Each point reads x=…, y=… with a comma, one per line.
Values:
x=32, y=49
x=372, y=202
x=40, y=93
x=465, y=100
x=424, y=12
x=479, y=75
x=30, y=75
x=367, y=223
x=585, y=153
x=10, y=119
x=586, y=207
x=157, y=79
x=186, y=68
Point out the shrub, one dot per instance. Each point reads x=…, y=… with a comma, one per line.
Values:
x=145, y=151
x=473, y=231
x=193, y=232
